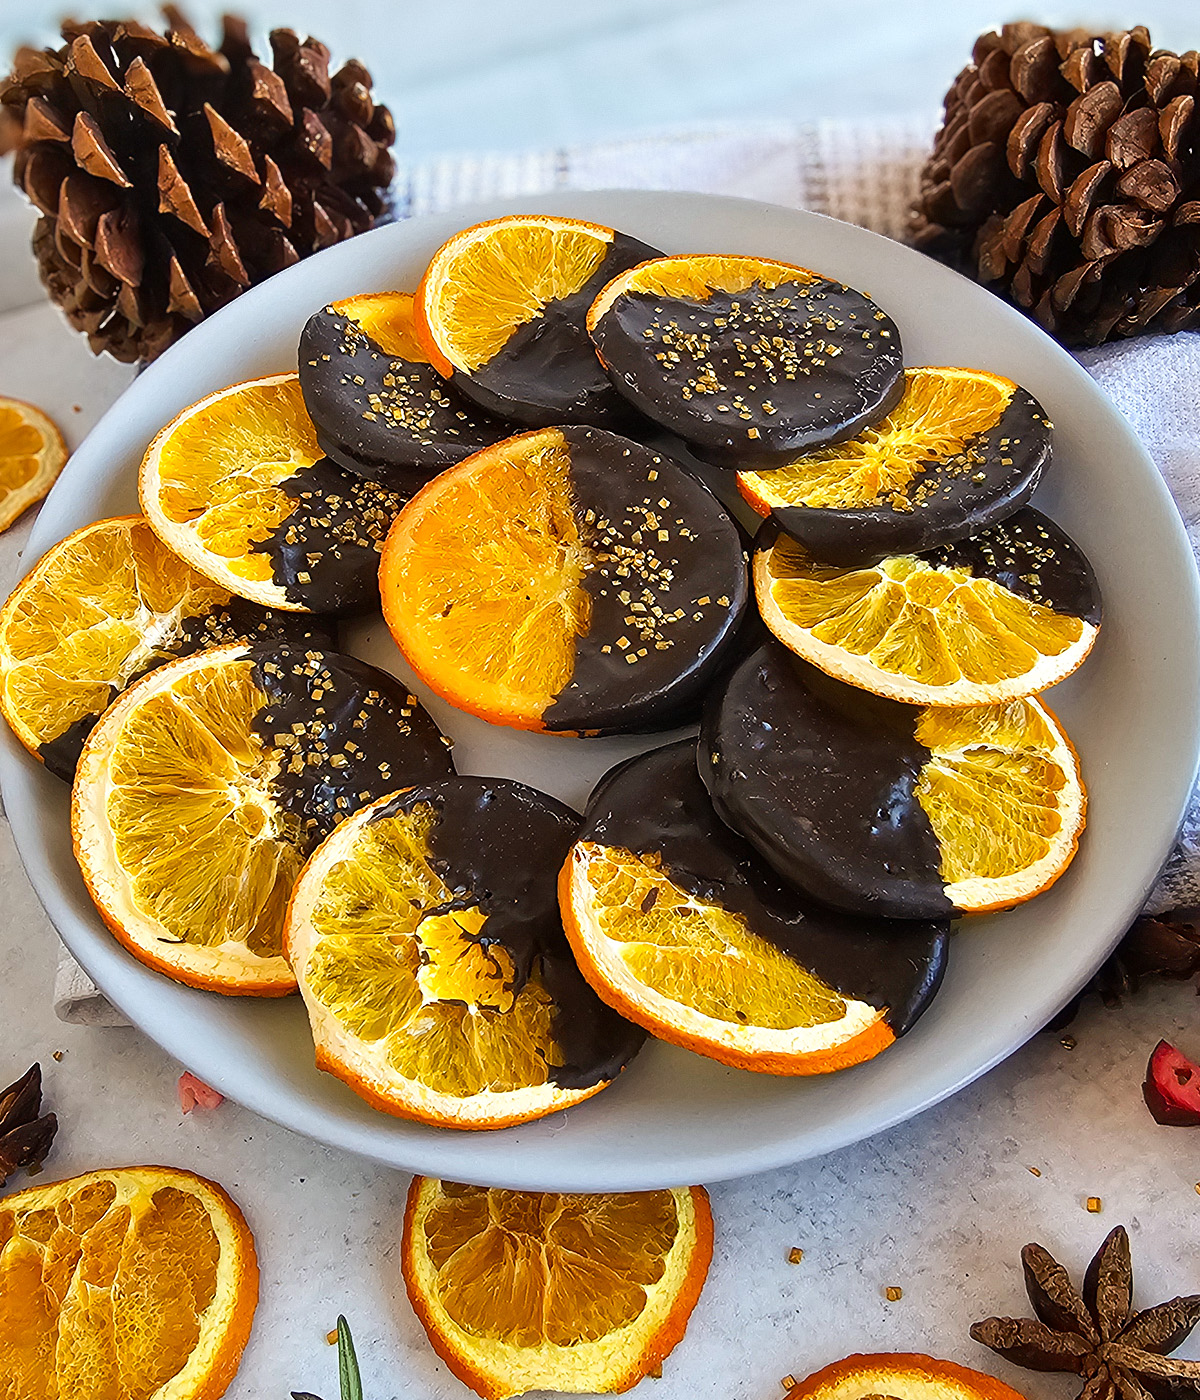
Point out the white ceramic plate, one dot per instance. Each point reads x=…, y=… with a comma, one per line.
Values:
x=675, y=1118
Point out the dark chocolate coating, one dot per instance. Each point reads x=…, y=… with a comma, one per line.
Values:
x=547, y=371
x=821, y=779
x=499, y=845
x=817, y=398
x=326, y=553
x=611, y=483
x=656, y=803
x=346, y=734
x=993, y=476
x=1032, y=557
x=237, y=621
x=381, y=417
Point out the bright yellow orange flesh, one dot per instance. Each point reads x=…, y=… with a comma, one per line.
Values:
x=696, y=975
x=489, y=279
x=138, y=1283
x=32, y=453
x=900, y=1376
x=910, y=631
x=941, y=412
x=482, y=580
x=87, y=618
x=405, y=1006
x=387, y=319
x=523, y=1291
x=695, y=277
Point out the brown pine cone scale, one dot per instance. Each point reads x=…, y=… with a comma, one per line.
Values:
x=171, y=176
x=1067, y=176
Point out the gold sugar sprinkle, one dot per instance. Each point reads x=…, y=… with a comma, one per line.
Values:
x=1094, y=1205
x=893, y=1294
x=795, y=1255
x=1034, y=1171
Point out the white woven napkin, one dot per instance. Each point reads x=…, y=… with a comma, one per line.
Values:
x=864, y=173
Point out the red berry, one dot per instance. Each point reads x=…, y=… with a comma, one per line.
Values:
x=1172, y=1088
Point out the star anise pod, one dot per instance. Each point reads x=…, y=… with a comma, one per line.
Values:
x=1121, y=1355
x=25, y=1132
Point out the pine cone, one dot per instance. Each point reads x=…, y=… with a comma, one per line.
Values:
x=1067, y=174
x=172, y=176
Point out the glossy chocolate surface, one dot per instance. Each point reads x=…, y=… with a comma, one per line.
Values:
x=547, y=371
x=668, y=587
x=747, y=376
x=1032, y=557
x=388, y=419
x=345, y=734
x=326, y=553
x=498, y=846
x=993, y=476
x=820, y=778
x=236, y=621
x=656, y=803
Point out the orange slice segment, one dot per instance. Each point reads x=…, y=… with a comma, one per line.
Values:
x=387, y=319
x=136, y=1282
x=900, y=1376
x=523, y=1291
x=935, y=629
x=32, y=453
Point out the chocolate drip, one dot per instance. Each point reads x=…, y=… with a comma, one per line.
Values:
x=821, y=779
x=994, y=475
x=750, y=375
x=656, y=804
x=381, y=417
x=325, y=554
x=674, y=605
x=547, y=371
x=236, y=621
x=1032, y=557
x=499, y=845
x=345, y=734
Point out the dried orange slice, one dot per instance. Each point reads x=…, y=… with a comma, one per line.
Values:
x=32, y=453
x=379, y=408
x=528, y=1290
x=99, y=610
x=960, y=451
x=138, y=1282
x=501, y=311
x=682, y=929
x=747, y=358
x=1002, y=615
x=567, y=580
x=984, y=805
x=206, y=784
x=900, y=1376
x=237, y=485
x=426, y=938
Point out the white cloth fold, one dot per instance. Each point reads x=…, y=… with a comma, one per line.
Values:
x=866, y=174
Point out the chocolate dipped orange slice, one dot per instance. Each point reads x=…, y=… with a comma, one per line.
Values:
x=379, y=408
x=1003, y=614
x=426, y=938
x=238, y=486
x=206, y=784
x=746, y=358
x=566, y=580
x=502, y=311
x=887, y=809
x=681, y=927
x=959, y=452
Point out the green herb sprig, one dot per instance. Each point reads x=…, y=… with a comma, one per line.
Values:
x=348, y=1375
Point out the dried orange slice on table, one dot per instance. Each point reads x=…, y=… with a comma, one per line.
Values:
x=900, y=1376
x=984, y=805
x=238, y=486
x=206, y=784
x=100, y=609
x=959, y=452
x=567, y=580
x=524, y=1290
x=680, y=927
x=502, y=309
x=139, y=1282
x=426, y=937
x=1004, y=614
x=379, y=407
x=32, y=453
